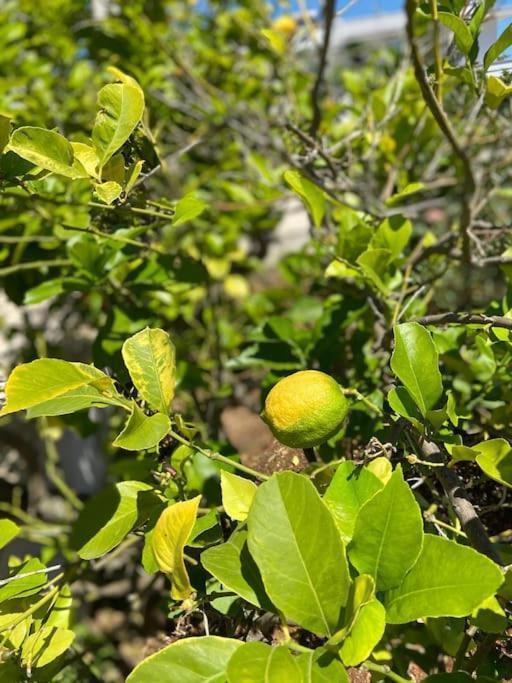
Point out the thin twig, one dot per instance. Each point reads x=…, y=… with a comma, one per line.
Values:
x=461, y=318
x=436, y=109
x=329, y=14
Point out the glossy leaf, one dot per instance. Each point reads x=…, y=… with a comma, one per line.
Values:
x=142, y=431
x=8, y=531
x=350, y=488
x=37, y=382
x=150, y=358
x=495, y=459
x=415, y=362
x=496, y=49
x=27, y=584
x=312, y=196
x=45, y=645
x=121, y=107
x=319, y=666
x=311, y=586
x=447, y=580
x=170, y=536
x=388, y=534
x=237, y=495
x=192, y=660
x=108, y=517
x=260, y=662
x=463, y=36
x=232, y=565
x=72, y=401
x=48, y=150
x=364, y=634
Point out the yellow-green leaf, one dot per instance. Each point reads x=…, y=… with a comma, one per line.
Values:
x=170, y=536
x=237, y=495
x=150, y=358
x=109, y=191
x=87, y=156
x=46, y=378
x=48, y=150
x=45, y=645
x=311, y=195
x=142, y=431
x=121, y=107
x=5, y=130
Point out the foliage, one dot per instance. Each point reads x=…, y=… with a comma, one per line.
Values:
x=146, y=159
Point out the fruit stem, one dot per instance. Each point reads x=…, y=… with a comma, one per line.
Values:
x=356, y=394
x=386, y=671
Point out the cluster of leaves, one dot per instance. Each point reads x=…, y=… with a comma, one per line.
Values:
x=156, y=213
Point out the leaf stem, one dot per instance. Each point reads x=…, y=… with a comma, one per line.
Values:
x=220, y=458
x=386, y=671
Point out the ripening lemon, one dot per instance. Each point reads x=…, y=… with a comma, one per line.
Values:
x=285, y=24
x=305, y=409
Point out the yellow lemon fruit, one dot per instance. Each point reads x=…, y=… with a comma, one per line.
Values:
x=305, y=409
x=285, y=24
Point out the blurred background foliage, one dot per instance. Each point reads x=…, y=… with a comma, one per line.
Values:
x=198, y=248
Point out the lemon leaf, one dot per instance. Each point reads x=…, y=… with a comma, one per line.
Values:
x=237, y=495
x=170, y=536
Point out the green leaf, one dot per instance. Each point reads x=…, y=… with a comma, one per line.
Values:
x=150, y=358
x=109, y=191
x=187, y=208
x=388, y=534
x=447, y=580
x=462, y=34
x=495, y=459
x=133, y=174
x=45, y=645
x=121, y=108
x=24, y=586
x=62, y=611
x=232, y=565
x=402, y=403
x=8, y=531
x=170, y=536
x=73, y=401
x=312, y=196
x=237, y=495
x=260, y=662
x=108, y=517
x=364, y=634
x=48, y=150
x=348, y=491
x=503, y=42
x=415, y=362
x=490, y=616
x=5, y=131
x=142, y=431
x=374, y=263
x=312, y=585
x=37, y=382
x=392, y=234
x=319, y=666
x=192, y=660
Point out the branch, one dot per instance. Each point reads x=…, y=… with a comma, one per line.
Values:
x=466, y=319
x=459, y=500
x=329, y=13
x=442, y=121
